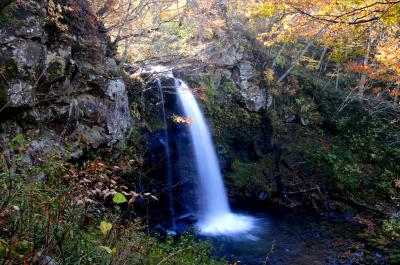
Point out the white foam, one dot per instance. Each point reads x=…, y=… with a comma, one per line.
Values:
x=226, y=225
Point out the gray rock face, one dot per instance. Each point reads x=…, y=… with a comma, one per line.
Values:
x=234, y=63
x=20, y=94
x=61, y=80
x=28, y=54
x=253, y=96
x=118, y=117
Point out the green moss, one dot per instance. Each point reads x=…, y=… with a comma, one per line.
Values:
x=9, y=72
x=3, y=96
x=11, y=69
x=394, y=259
x=55, y=69
x=249, y=176
x=6, y=16
x=228, y=87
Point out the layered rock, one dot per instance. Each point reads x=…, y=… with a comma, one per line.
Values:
x=58, y=75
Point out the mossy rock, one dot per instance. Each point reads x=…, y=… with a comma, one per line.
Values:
x=6, y=16
x=394, y=259
x=249, y=176
x=8, y=72
x=55, y=70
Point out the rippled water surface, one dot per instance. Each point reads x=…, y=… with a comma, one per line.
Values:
x=289, y=240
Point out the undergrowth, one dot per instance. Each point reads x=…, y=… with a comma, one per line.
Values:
x=52, y=210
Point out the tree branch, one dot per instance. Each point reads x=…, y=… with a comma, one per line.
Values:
x=360, y=20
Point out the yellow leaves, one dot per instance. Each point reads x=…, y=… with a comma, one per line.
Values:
x=105, y=227
x=182, y=120
x=299, y=20
x=269, y=74
x=268, y=9
x=392, y=17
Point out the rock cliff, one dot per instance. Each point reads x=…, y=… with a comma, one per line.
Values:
x=58, y=75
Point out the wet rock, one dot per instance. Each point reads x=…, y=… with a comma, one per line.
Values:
x=304, y=121
x=262, y=196
x=289, y=117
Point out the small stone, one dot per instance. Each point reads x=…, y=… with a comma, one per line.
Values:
x=47, y=260
x=305, y=122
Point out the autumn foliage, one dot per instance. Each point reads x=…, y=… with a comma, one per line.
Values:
x=360, y=36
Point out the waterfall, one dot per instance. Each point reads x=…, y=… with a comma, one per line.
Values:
x=167, y=151
x=216, y=217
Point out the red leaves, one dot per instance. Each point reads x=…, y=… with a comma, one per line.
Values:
x=98, y=181
x=199, y=92
x=365, y=220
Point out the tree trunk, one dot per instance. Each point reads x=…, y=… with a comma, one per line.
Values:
x=277, y=56
x=309, y=44
x=126, y=53
x=321, y=59
x=363, y=80
x=288, y=71
x=107, y=6
x=337, y=75
x=5, y=3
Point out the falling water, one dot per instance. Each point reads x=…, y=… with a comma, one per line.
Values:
x=168, y=158
x=216, y=217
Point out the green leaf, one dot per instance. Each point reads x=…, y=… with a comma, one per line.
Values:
x=106, y=249
x=19, y=139
x=119, y=198
x=105, y=227
x=55, y=204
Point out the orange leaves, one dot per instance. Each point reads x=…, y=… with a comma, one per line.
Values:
x=376, y=72
x=347, y=29
x=397, y=183
x=182, y=120
x=358, y=68
x=199, y=92
x=395, y=93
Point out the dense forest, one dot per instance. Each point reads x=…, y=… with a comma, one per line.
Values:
x=199, y=132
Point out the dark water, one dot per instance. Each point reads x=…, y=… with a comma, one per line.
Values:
x=288, y=240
